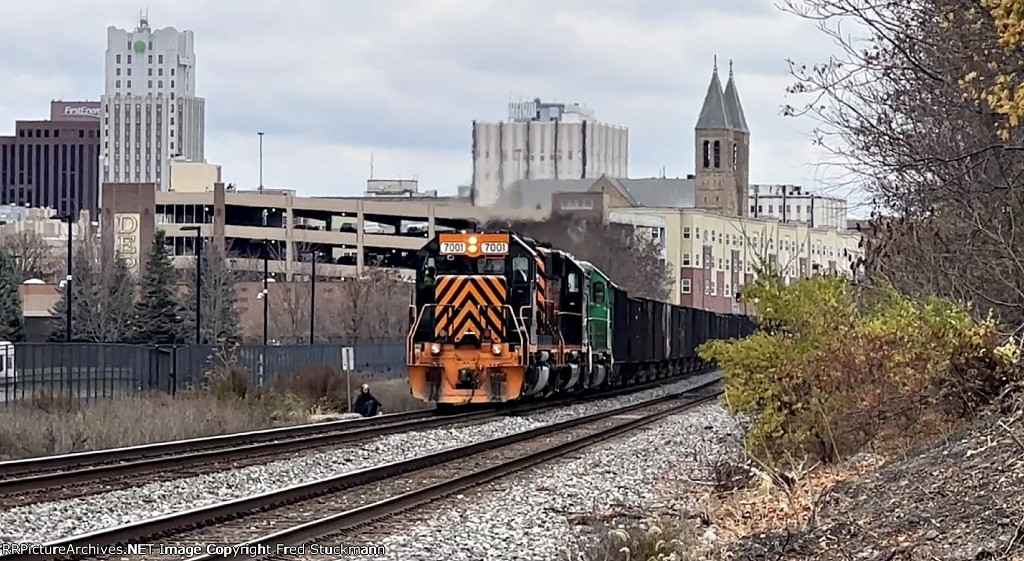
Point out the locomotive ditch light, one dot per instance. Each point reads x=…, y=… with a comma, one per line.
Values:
x=435, y=349
x=496, y=349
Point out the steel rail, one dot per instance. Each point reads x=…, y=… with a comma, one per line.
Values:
x=86, y=474
x=396, y=505
x=204, y=516
x=123, y=462
x=55, y=462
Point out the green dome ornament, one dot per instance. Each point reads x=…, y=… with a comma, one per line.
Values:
x=140, y=47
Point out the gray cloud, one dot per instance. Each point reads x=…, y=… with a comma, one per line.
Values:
x=331, y=82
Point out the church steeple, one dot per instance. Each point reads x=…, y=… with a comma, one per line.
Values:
x=733, y=107
x=722, y=150
x=714, y=115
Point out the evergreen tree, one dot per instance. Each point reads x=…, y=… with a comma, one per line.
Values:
x=118, y=303
x=12, y=320
x=219, y=301
x=157, y=316
x=85, y=288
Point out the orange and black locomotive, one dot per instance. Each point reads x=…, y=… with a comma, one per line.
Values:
x=498, y=316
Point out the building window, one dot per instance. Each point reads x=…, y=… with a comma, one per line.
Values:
x=718, y=154
x=707, y=154
x=686, y=233
x=160, y=84
x=117, y=71
x=129, y=83
x=714, y=289
x=129, y=59
x=117, y=83
x=686, y=259
x=150, y=83
x=760, y=208
x=751, y=209
x=151, y=57
x=160, y=60
x=118, y=59
x=728, y=291
x=685, y=286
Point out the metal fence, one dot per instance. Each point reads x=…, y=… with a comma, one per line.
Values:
x=101, y=370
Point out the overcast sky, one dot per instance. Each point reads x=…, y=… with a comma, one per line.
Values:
x=331, y=81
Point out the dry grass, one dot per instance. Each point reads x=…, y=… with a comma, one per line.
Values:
x=653, y=539
x=53, y=424
x=47, y=425
x=328, y=390
x=765, y=506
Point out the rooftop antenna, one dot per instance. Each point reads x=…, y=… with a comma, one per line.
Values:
x=730, y=68
x=371, y=165
x=144, y=18
x=716, y=64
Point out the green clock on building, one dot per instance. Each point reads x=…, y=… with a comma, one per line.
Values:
x=140, y=47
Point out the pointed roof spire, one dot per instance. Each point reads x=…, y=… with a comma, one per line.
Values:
x=713, y=114
x=733, y=107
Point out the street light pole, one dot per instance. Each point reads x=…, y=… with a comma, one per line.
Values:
x=312, y=302
x=199, y=280
x=266, y=293
x=261, y=162
x=312, y=298
x=68, y=295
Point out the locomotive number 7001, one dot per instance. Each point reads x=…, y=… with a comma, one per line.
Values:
x=494, y=247
x=453, y=247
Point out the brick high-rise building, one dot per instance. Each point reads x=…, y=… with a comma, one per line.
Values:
x=54, y=163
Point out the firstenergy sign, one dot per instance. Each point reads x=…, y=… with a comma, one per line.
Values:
x=74, y=111
x=81, y=111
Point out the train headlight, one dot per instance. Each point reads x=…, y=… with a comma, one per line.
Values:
x=496, y=349
x=435, y=348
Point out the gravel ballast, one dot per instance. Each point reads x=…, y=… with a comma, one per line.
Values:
x=45, y=522
x=530, y=516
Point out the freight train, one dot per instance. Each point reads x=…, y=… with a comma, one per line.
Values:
x=498, y=317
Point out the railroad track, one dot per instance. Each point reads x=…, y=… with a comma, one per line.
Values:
x=59, y=477
x=329, y=508
x=50, y=478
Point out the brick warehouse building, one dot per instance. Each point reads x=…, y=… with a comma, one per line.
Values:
x=54, y=163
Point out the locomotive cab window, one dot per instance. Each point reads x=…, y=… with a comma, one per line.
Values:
x=429, y=272
x=521, y=270
x=598, y=293
x=491, y=266
x=574, y=286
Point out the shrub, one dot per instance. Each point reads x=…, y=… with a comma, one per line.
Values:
x=836, y=365
x=652, y=539
x=230, y=382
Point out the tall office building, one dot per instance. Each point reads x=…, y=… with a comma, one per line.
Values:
x=150, y=111
x=54, y=163
x=544, y=141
